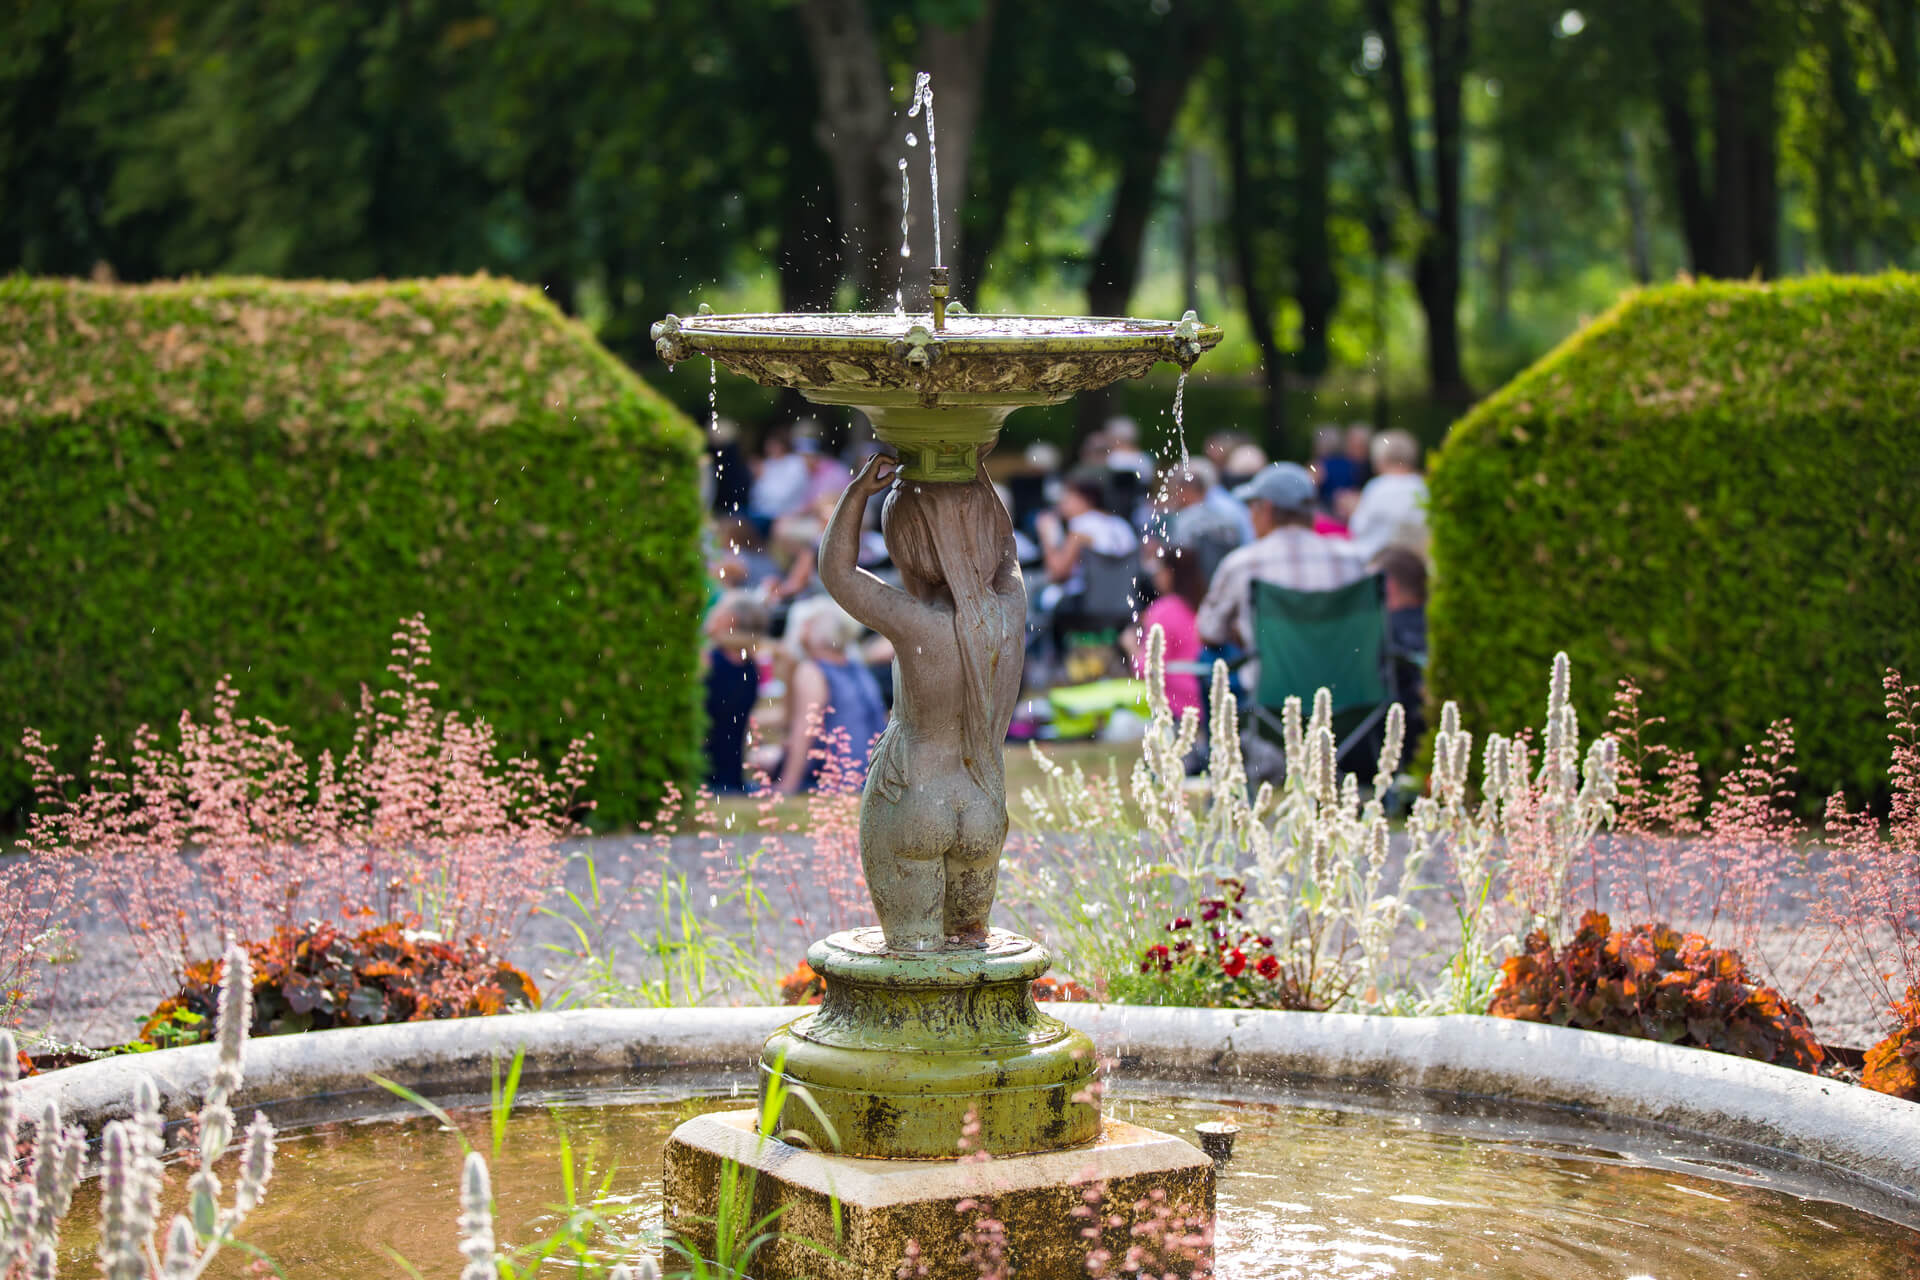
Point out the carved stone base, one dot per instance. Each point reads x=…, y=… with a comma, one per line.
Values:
x=906, y=1045
x=1137, y=1175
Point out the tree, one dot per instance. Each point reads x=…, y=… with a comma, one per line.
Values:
x=861, y=130
x=1281, y=112
x=1433, y=190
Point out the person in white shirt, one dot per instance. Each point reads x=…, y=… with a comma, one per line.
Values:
x=1088, y=527
x=780, y=479
x=1393, y=506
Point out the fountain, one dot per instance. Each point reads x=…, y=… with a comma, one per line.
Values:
x=928, y=1045
x=1455, y=1145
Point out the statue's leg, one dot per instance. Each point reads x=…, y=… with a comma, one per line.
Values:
x=900, y=847
x=973, y=867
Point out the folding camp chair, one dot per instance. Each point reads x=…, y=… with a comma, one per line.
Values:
x=1337, y=640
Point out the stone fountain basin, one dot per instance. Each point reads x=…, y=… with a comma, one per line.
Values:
x=1843, y=1142
x=939, y=398
x=976, y=360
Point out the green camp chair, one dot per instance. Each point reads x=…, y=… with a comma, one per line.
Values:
x=1337, y=640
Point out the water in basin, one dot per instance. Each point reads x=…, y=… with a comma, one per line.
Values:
x=1315, y=1189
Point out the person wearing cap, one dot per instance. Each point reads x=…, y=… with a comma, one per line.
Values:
x=1286, y=552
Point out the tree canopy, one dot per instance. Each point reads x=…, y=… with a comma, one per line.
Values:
x=1451, y=184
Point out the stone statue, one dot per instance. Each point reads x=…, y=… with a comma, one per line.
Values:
x=933, y=818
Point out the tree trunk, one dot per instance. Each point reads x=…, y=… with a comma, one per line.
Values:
x=1241, y=219
x=1639, y=234
x=854, y=130
x=1116, y=258
x=956, y=58
x=1438, y=272
x=1740, y=80
x=1316, y=286
x=1436, y=263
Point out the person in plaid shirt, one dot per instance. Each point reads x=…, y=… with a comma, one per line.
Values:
x=1285, y=551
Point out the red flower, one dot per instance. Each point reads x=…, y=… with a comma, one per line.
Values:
x=1156, y=958
x=1179, y=922
x=1235, y=962
x=1268, y=968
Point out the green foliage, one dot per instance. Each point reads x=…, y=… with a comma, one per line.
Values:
x=257, y=478
x=318, y=976
x=1654, y=983
x=1216, y=963
x=1710, y=489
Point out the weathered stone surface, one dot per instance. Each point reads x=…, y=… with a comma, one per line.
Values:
x=906, y=1046
x=883, y=1204
x=938, y=398
x=1834, y=1131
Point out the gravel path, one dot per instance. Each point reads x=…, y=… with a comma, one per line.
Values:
x=97, y=994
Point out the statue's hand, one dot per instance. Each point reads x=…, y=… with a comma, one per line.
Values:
x=874, y=476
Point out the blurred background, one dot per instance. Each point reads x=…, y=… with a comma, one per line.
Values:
x=1390, y=206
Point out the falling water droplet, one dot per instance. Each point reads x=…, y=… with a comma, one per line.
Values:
x=906, y=191
x=1179, y=420
x=913, y=140
x=713, y=395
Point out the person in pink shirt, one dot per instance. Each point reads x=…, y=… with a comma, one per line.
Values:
x=1181, y=581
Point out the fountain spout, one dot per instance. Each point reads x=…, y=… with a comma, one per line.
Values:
x=1189, y=340
x=939, y=291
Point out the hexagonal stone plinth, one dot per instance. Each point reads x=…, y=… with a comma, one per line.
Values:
x=1140, y=1176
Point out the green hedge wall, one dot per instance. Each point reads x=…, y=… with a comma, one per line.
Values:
x=1714, y=489
x=263, y=478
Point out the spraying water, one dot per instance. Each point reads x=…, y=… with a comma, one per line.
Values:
x=713, y=395
x=923, y=97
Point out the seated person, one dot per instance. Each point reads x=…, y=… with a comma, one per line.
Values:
x=735, y=628
x=1393, y=505
x=1082, y=525
x=740, y=559
x=834, y=705
x=1281, y=500
x=1179, y=575
x=1406, y=577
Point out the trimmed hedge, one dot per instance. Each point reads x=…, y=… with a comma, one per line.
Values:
x=1713, y=489
x=263, y=478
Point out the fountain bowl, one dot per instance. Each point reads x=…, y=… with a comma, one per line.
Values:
x=938, y=395
x=1812, y=1137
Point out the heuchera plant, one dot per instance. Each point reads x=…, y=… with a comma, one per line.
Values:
x=234, y=833
x=1893, y=1065
x=1656, y=983
x=318, y=976
x=1870, y=890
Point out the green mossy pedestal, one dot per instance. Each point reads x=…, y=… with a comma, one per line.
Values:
x=906, y=1046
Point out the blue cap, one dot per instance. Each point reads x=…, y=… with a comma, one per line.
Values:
x=1285, y=486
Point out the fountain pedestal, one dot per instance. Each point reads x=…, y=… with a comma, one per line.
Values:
x=844, y=1218
x=909, y=1047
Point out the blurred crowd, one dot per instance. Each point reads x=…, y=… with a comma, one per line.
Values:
x=1113, y=543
